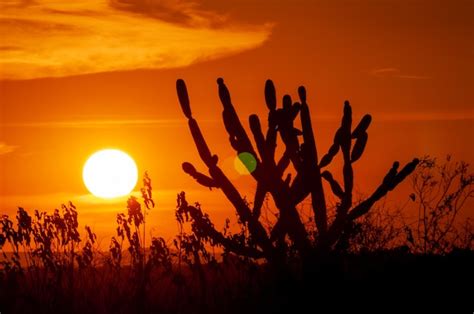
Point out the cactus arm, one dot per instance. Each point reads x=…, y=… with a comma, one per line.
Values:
x=345, y=143
x=237, y=134
x=271, y=136
x=311, y=168
x=298, y=189
x=335, y=187
x=258, y=200
x=198, y=138
x=256, y=129
x=391, y=180
x=343, y=137
x=198, y=176
x=270, y=95
x=201, y=145
x=359, y=146
x=183, y=98
x=288, y=133
x=283, y=163
x=326, y=160
x=362, y=126
x=361, y=136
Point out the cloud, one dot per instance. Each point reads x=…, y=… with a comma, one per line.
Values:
x=79, y=124
x=425, y=116
x=395, y=73
x=171, y=123
x=48, y=38
x=5, y=148
x=184, y=12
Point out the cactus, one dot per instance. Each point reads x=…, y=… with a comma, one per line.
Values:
x=301, y=152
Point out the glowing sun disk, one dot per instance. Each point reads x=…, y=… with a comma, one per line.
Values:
x=110, y=173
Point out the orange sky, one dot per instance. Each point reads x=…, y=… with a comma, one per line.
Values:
x=80, y=76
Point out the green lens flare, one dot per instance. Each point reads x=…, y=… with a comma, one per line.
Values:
x=245, y=163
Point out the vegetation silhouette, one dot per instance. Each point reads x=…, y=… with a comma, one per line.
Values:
x=367, y=251
x=269, y=174
x=49, y=266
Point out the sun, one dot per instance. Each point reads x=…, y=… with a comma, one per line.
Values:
x=110, y=173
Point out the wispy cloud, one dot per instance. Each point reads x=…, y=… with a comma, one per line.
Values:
x=396, y=73
x=171, y=123
x=425, y=116
x=5, y=148
x=50, y=38
x=184, y=12
x=79, y=124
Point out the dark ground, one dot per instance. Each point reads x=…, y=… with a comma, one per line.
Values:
x=373, y=282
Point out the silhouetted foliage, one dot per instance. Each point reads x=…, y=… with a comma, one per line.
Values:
x=47, y=240
x=440, y=191
x=381, y=229
x=195, y=275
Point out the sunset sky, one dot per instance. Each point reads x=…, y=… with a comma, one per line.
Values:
x=80, y=76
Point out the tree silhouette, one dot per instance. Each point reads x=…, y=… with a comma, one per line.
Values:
x=269, y=172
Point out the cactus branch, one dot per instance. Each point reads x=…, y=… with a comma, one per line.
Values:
x=198, y=176
x=335, y=187
x=391, y=180
x=311, y=168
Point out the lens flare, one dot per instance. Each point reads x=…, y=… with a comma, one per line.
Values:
x=245, y=163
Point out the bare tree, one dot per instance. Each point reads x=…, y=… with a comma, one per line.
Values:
x=440, y=191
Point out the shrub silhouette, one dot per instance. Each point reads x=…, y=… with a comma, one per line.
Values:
x=47, y=240
x=440, y=190
x=430, y=222
x=285, y=191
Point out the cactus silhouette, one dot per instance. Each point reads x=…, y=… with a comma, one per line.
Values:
x=301, y=151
